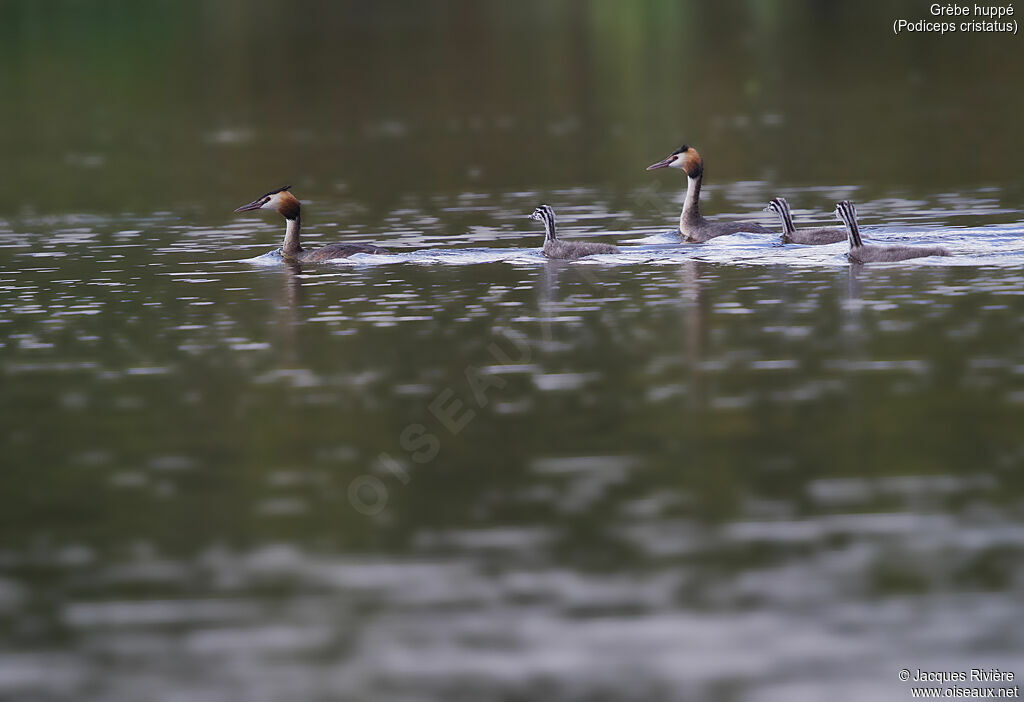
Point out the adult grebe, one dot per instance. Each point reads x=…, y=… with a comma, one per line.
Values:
x=287, y=205
x=692, y=226
x=569, y=250
x=792, y=235
x=873, y=253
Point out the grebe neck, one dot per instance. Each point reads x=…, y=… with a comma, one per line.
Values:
x=853, y=233
x=848, y=214
x=691, y=206
x=549, y=227
x=787, y=220
x=291, y=237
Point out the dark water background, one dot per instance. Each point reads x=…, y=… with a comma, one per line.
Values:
x=734, y=471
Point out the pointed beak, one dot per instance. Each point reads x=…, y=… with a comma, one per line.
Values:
x=254, y=205
x=661, y=164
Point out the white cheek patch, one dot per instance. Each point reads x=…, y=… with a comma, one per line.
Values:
x=676, y=163
x=271, y=203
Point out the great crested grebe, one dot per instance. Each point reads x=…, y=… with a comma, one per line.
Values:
x=873, y=253
x=692, y=226
x=287, y=205
x=569, y=250
x=792, y=235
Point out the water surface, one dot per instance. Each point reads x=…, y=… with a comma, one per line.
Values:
x=731, y=471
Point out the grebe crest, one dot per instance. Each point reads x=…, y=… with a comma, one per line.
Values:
x=280, y=200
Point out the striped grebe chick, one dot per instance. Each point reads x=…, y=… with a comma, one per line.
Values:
x=692, y=226
x=287, y=205
x=568, y=250
x=874, y=253
x=792, y=235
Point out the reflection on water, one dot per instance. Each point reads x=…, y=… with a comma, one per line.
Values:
x=656, y=475
x=730, y=471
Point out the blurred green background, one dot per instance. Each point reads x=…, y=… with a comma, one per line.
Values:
x=143, y=105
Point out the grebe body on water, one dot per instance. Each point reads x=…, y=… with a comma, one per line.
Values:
x=811, y=236
x=567, y=250
x=875, y=253
x=693, y=227
x=287, y=205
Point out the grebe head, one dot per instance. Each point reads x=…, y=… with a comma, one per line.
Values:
x=686, y=158
x=280, y=200
x=778, y=205
x=847, y=214
x=543, y=213
x=846, y=211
